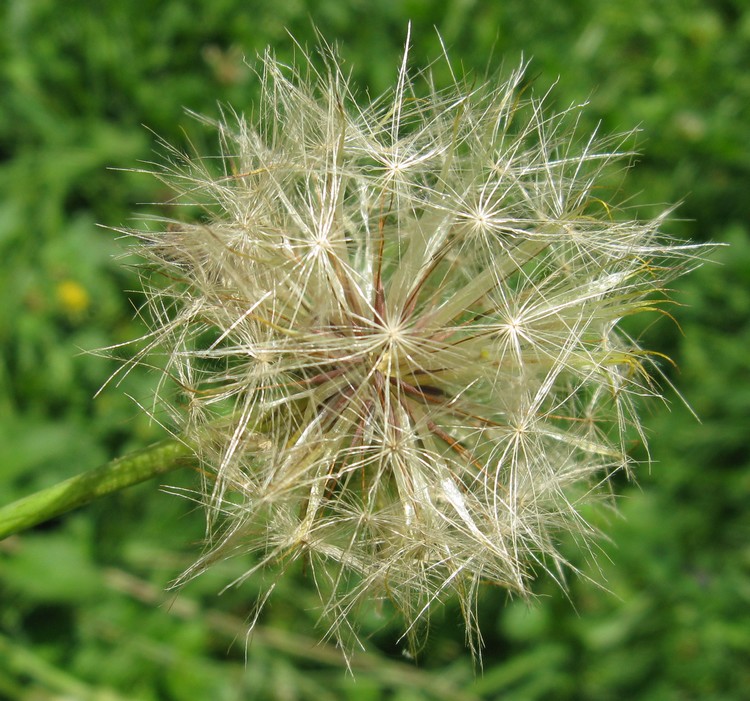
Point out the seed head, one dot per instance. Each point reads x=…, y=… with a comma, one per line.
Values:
x=396, y=332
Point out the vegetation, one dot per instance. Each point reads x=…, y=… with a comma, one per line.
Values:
x=88, y=90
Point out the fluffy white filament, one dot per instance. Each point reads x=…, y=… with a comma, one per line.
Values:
x=396, y=331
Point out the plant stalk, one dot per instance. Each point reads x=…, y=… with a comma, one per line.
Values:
x=158, y=459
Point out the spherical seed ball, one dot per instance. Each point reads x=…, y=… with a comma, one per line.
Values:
x=397, y=330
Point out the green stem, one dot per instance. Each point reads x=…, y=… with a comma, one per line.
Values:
x=118, y=474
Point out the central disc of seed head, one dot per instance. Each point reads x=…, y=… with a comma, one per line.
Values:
x=374, y=376
x=376, y=365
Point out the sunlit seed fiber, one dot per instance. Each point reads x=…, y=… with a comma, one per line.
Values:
x=396, y=336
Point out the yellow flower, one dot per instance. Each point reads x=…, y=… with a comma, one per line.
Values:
x=72, y=297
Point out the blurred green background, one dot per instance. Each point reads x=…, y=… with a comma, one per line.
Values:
x=84, y=86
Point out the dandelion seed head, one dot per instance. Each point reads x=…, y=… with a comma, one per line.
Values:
x=398, y=329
